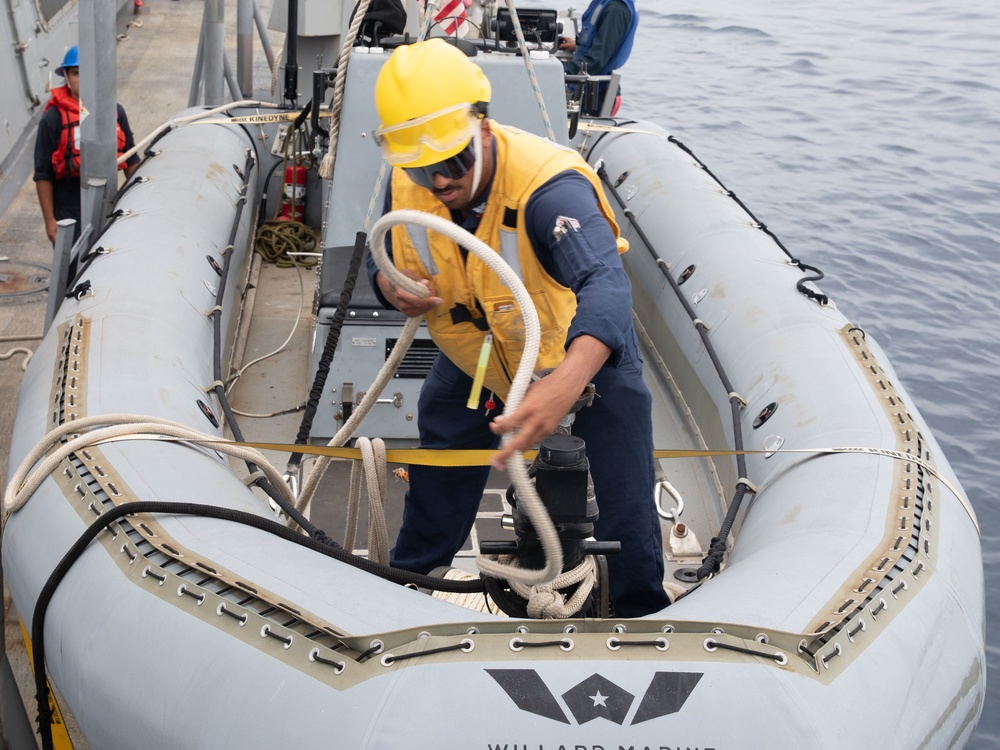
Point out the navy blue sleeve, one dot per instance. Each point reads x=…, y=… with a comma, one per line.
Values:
x=46, y=143
x=584, y=258
x=612, y=27
x=369, y=261
x=129, y=137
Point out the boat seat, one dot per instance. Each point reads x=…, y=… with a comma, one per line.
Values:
x=364, y=302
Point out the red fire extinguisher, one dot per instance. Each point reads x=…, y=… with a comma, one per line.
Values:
x=293, y=200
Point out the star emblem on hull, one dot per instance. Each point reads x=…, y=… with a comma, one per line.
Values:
x=597, y=697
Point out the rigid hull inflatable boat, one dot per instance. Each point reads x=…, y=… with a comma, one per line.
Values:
x=838, y=603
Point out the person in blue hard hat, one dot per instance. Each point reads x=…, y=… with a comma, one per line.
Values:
x=605, y=40
x=57, y=148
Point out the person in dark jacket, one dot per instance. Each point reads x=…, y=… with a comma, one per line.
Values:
x=57, y=149
x=605, y=40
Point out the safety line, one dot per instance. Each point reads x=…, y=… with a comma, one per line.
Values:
x=457, y=458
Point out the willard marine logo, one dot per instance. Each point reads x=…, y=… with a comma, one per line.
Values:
x=597, y=697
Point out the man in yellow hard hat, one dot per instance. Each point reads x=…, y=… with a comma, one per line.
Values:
x=541, y=207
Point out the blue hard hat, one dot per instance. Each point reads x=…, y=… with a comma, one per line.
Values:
x=71, y=60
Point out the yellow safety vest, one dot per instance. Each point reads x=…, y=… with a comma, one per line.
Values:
x=475, y=302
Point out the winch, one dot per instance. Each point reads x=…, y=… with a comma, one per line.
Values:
x=561, y=474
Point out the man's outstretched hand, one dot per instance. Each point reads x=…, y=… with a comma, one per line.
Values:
x=549, y=399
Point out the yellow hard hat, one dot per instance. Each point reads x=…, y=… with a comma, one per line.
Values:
x=430, y=98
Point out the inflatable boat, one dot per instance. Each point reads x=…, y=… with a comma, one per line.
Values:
x=178, y=590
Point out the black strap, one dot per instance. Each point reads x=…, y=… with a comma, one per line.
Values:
x=461, y=314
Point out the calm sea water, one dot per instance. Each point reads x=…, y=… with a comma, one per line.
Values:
x=866, y=135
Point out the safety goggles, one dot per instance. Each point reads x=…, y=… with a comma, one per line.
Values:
x=453, y=168
x=439, y=131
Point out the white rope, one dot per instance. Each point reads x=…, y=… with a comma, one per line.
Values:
x=232, y=379
x=545, y=602
x=23, y=350
x=373, y=458
x=25, y=481
x=353, y=506
x=522, y=45
x=360, y=411
x=327, y=164
x=187, y=119
x=528, y=498
x=274, y=70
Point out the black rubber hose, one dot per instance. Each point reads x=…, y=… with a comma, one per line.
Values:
x=394, y=575
x=820, y=298
x=509, y=602
x=330, y=347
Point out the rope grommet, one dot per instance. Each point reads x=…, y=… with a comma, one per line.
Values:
x=286, y=640
x=338, y=666
x=240, y=617
x=147, y=572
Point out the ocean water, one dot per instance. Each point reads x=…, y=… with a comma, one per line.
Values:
x=867, y=137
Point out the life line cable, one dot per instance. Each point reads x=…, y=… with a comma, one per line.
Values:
x=25, y=480
x=481, y=457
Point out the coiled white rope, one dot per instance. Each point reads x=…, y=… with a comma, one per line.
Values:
x=26, y=480
x=527, y=496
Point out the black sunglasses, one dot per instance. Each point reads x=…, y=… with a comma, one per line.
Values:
x=453, y=168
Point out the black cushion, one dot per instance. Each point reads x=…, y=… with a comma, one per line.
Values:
x=336, y=261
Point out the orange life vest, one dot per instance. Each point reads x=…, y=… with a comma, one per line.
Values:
x=66, y=157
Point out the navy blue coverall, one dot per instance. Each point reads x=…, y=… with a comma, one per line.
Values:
x=441, y=503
